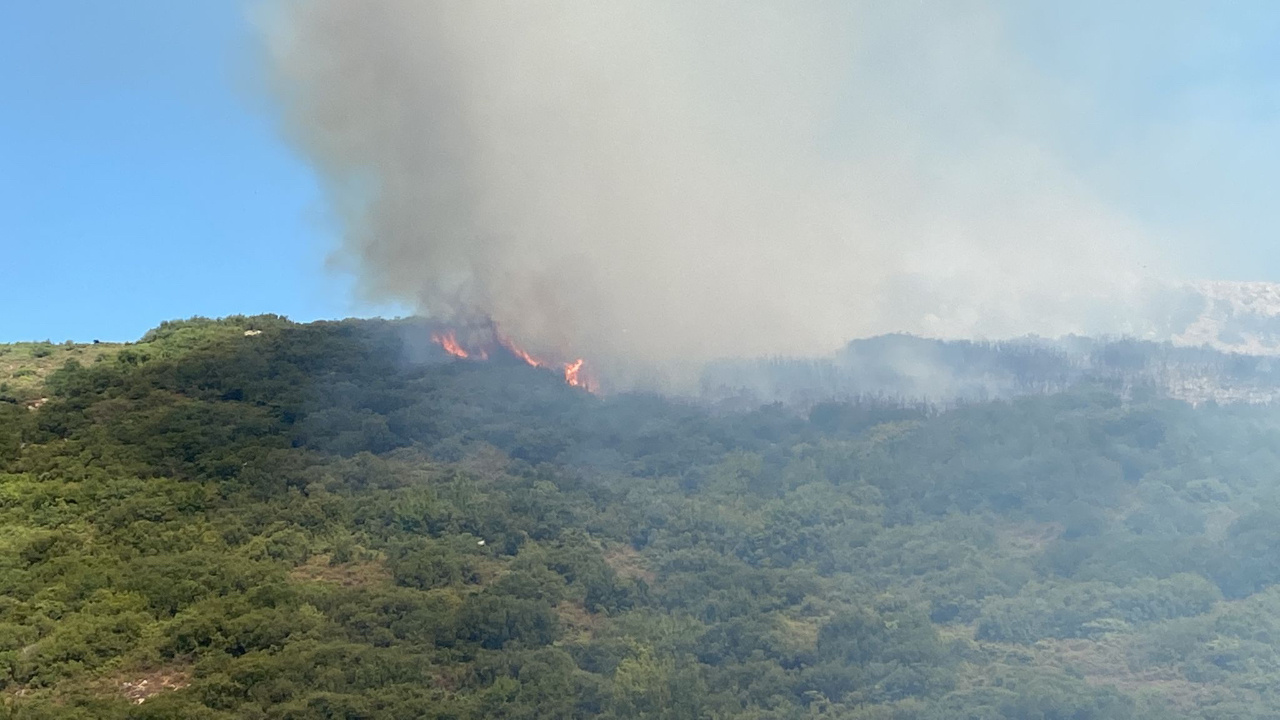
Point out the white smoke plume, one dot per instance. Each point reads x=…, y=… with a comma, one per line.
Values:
x=652, y=184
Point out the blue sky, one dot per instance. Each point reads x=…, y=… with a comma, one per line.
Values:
x=142, y=179
x=1171, y=112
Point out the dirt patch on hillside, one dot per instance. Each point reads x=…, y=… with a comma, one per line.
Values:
x=142, y=687
x=319, y=569
x=628, y=563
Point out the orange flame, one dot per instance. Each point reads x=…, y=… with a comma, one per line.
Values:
x=449, y=342
x=574, y=372
x=519, y=351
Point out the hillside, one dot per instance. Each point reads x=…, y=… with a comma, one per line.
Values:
x=251, y=518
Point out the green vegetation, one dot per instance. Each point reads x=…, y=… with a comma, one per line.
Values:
x=332, y=521
x=24, y=366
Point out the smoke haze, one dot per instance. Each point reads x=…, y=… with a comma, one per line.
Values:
x=655, y=184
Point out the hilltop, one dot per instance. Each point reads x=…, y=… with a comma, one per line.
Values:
x=25, y=366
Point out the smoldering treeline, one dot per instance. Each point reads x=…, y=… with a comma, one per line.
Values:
x=654, y=184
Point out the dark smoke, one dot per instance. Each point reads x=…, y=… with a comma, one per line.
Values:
x=655, y=184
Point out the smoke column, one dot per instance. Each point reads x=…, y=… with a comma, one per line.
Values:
x=654, y=184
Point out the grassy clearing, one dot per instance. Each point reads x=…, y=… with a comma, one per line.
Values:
x=25, y=366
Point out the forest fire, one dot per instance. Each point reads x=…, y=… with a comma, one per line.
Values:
x=573, y=374
x=449, y=341
x=518, y=351
x=473, y=348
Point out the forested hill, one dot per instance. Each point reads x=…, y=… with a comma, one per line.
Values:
x=250, y=518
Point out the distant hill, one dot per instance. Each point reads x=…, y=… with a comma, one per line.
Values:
x=1239, y=317
x=1200, y=342
x=913, y=369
